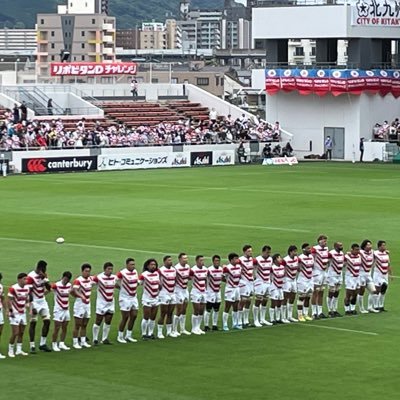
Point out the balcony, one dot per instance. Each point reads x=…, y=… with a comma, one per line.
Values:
x=108, y=27
x=108, y=39
x=108, y=51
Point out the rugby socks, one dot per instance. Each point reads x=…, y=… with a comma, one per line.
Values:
x=96, y=330
x=255, y=314
x=150, y=327
x=314, y=309
x=175, y=323
x=160, y=329
x=278, y=313
x=263, y=312
x=235, y=318
x=272, y=314
x=206, y=318
x=214, y=318
x=319, y=309
x=194, y=323
x=182, y=320
x=305, y=311
x=360, y=301
x=106, y=331
x=144, y=324
x=239, y=318
x=335, y=301
x=246, y=313
x=289, y=311
x=381, y=303
x=169, y=329
x=225, y=317
x=43, y=341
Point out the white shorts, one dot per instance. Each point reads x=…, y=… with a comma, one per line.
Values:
x=305, y=286
x=365, y=278
x=261, y=288
x=18, y=319
x=246, y=288
x=232, y=294
x=352, y=282
x=81, y=309
x=198, y=297
x=290, y=286
x=213, y=297
x=380, y=279
x=181, y=295
x=1, y=317
x=61, y=315
x=334, y=280
x=105, y=307
x=128, y=303
x=150, y=301
x=42, y=309
x=319, y=278
x=166, y=298
x=276, y=293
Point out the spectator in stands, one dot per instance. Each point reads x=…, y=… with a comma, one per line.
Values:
x=241, y=152
x=16, y=116
x=287, y=151
x=213, y=115
x=266, y=151
x=50, y=107
x=24, y=111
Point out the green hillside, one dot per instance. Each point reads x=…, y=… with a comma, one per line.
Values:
x=21, y=13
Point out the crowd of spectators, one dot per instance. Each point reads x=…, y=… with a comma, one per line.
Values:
x=386, y=131
x=19, y=133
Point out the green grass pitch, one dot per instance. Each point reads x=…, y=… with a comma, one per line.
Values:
x=112, y=216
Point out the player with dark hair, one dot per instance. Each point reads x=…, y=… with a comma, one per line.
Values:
x=382, y=272
x=321, y=259
x=181, y=294
x=62, y=290
x=82, y=290
x=105, y=306
x=305, y=283
x=263, y=266
x=1, y=311
x=128, y=302
x=232, y=274
x=246, y=285
x=366, y=281
x=291, y=263
x=198, y=275
x=335, y=278
x=276, y=291
x=39, y=286
x=150, y=279
x=17, y=302
x=214, y=281
x=352, y=279
x=167, y=297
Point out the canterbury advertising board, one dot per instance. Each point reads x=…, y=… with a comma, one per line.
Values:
x=59, y=164
x=143, y=161
x=280, y=161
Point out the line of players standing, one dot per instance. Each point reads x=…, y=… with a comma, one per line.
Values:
x=165, y=288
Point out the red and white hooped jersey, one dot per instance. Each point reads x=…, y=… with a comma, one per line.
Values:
x=247, y=268
x=199, y=278
x=128, y=282
x=167, y=278
x=232, y=275
x=278, y=275
x=61, y=294
x=19, y=297
x=367, y=260
x=336, y=261
x=105, y=286
x=321, y=257
x=353, y=265
x=36, y=285
x=291, y=266
x=382, y=261
x=151, y=283
x=306, y=265
x=83, y=286
x=263, y=269
x=214, y=281
x=182, y=275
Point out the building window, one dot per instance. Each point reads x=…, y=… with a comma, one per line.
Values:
x=83, y=58
x=154, y=80
x=203, y=81
x=83, y=45
x=53, y=46
x=52, y=58
x=93, y=21
x=299, y=51
x=53, y=33
x=83, y=33
x=42, y=21
x=174, y=80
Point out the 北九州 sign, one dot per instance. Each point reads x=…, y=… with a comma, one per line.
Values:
x=379, y=13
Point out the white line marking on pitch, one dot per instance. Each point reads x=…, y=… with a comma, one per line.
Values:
x=341, y=329
x=66, y=214
x=268, y=228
